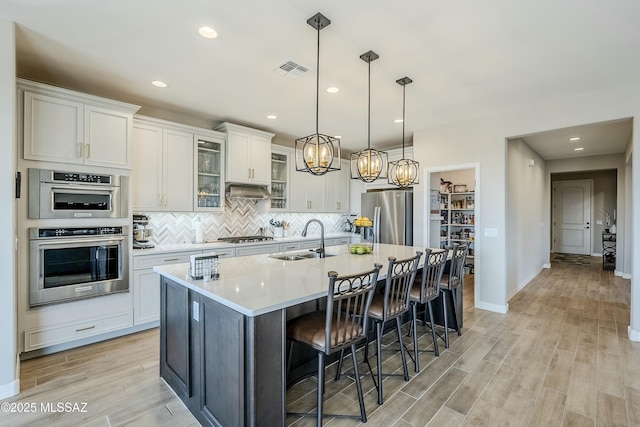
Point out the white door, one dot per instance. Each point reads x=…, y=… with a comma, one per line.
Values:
x=572, y=217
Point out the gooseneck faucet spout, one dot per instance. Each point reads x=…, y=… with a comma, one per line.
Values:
x=319, y=251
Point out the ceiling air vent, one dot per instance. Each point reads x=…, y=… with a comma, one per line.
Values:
x=291, y=69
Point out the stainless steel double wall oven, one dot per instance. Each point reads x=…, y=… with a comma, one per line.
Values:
x=79, y=259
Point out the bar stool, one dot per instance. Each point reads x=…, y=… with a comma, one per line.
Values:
x=451, y=287
x=392, y=305
x=424, y=290
x=341, y=325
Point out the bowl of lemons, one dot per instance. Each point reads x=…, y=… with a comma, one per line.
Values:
x=361, y=248
x=363, y=222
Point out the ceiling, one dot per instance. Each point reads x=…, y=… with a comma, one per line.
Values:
x=595, y=139
x=467, y=59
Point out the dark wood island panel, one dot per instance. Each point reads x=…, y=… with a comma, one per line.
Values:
x=226, y=367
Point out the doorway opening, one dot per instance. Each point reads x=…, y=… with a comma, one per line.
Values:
x=452, y=215
x=583, y=208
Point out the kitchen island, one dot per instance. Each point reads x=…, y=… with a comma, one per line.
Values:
x=223, y=342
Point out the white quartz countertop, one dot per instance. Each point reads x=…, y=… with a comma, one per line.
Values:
x=213, y=245
x=258, y=284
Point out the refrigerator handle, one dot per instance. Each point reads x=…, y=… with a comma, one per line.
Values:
x=376, y=224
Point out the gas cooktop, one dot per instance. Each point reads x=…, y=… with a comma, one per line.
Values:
x=245, y=239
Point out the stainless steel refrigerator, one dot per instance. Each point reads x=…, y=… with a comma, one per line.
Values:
x=392, y=214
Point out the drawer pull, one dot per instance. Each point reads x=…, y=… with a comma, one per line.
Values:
x=171, y=259
x=83, y=288
x=85, y=329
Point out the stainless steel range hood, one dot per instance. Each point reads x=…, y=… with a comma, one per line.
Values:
x=243, y=191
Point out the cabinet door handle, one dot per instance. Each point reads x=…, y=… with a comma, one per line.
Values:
x=88, y=151
x=249, y=171
x=85, y=329
x=170, y=259
x=165, y=200
x=338, y=205
x=80, y=145
x=159, y=199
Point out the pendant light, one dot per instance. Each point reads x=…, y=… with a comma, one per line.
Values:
x=404, y=172
x=370, y=164
x=317, y=153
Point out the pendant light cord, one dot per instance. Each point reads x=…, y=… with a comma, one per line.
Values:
x=317, y=80
x=404, y=89
x=369, y=109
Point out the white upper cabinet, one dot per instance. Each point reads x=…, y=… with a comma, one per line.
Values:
x=162, y=177
x=69, y=127
x=307, y=191
x=248, y=154
x=337, y=189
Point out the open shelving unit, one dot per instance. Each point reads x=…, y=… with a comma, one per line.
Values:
x=457, y=219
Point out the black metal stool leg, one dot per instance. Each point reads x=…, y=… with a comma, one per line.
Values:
x=379, y=357
x=433, y=330
x=402, y=353
x=340, y=365
x=320, y=386
x=363, y=413
x=446, y=322
x=416, y=362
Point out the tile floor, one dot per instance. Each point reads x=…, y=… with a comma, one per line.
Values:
x=560, y=357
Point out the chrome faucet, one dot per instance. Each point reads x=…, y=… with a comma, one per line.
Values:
x=319, y=251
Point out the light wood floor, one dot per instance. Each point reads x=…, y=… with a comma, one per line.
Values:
x=560, y=357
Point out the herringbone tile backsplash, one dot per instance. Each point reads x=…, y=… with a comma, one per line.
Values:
x=240, y=218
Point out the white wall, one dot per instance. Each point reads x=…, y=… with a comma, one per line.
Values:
x=9, y=376
x=526, y=203
x=483, y=140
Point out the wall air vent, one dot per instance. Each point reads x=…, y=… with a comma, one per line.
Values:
x=291, y=69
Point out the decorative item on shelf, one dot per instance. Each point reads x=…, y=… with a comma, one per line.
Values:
x=404, y=172
x=445, y=186
x=369, y=164
x=317, y=153
x=459, y=188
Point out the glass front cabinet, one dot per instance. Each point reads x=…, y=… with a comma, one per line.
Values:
x=279, y=179
x=209, y=162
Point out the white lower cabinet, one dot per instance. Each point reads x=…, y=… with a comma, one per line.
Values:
x=292, y=246
x=256, y=250
x=338, y=241
x=146, y=284
x=48, y=336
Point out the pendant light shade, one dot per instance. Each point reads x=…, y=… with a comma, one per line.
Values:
x=404, y=172
x=317, y=153
x=369, y=164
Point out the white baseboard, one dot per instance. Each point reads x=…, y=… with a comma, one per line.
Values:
x=626, y=276
x=9, y=390
x=496, y=308
x=526, y=281
x=546, y=265
x=633, y=335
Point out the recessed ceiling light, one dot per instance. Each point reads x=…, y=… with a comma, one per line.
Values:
x=159, y=83
x=207, y=32
x=398, y=121
x=333, y=89
x=578, y=149
x=575, y=138
x=272, y=117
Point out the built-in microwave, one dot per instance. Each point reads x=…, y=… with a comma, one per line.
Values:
x=63, y=194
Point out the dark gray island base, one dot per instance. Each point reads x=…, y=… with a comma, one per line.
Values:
x=226, y=367
x=222, y=343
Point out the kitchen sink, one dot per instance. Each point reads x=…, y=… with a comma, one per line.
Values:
x=297, y=256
